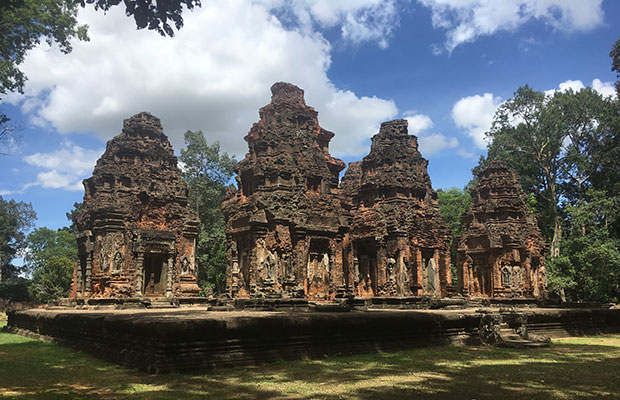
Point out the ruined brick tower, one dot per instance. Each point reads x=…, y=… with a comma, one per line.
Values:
x=136, y=232
x=501, y=251
x=400, y=244
x=286, y=225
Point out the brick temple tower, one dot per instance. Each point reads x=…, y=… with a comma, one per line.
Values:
x=137, y=235
x=501, y=252
x=286, y=226
x=400, y=243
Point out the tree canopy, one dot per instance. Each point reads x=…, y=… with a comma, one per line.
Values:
x=24, y=24
x=50, y=259
x=16, y=219
x=151, y=14
x=453, y=203
x=207, y=172
x=565, y=149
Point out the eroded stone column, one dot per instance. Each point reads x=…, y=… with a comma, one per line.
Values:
x=139, y=273
x=169, y=272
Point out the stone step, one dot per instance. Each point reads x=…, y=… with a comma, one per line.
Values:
x=161, y=303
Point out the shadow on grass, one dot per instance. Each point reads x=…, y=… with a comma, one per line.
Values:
x=588, y=369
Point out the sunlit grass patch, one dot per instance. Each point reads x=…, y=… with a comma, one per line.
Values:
x=570, y=368
x=144, y=387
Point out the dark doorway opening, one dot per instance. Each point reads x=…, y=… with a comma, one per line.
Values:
x=154, y=275
x=367, y=255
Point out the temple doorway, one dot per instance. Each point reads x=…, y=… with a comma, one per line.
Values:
x=155, y=274
x=244, y=271
x=318, y=269
x=483, y=285
x=430, y=272
x=367, y=257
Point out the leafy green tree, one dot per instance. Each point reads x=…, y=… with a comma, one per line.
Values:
x=580, y=118
x=52, y=281
x=13, y=287
x=23, y=24
x=16, y=219
x=72, y=216
x=589, y=267
x=151, y=14
x=207, y=172
x=50, y=259
x=528, y=134
x=566, y=150
x=615, y=63
x=453, y=203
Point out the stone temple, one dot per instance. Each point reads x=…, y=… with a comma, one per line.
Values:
x=400, y=243
x=501, y=252
x=137, y=235
x=286, y=222
x=293, y=231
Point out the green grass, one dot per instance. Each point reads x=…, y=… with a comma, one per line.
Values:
x=587, y=367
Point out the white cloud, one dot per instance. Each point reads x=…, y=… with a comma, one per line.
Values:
x=359, y=20
x=418, y=122
x=213, y=75
x=467, y=20
x=475, y=115
x=434, y=143
x=429, y=144
x=606, y=89
x=64, y=168
x=575, y=86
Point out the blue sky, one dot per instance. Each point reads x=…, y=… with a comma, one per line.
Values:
x=444, y=64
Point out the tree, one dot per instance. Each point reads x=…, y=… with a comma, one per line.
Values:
x=589, y=267
x=50, y=259
x=565, y=148
x=207, y=173
x=72, y=217
x=615, y=63
x=527, y=133
x=151, y=14
x=453, y=203
x=580, y=118
x=23, y=24
x=16, y=219
x=13, y=286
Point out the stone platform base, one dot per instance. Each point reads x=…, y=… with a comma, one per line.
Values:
x=295, y=304
x=187, y=339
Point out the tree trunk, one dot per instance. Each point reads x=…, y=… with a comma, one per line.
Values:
x=557, y=223
x=557, y=237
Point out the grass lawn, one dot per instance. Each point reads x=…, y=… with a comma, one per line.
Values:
x=587, y=367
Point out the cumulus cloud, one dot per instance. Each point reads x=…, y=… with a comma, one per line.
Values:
x=359, y=20
x=467, y=20
x=605, y=89
x=418, y=122
x=429, y=144
x=475, y=115
x=64, y=168
x=213, y=75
